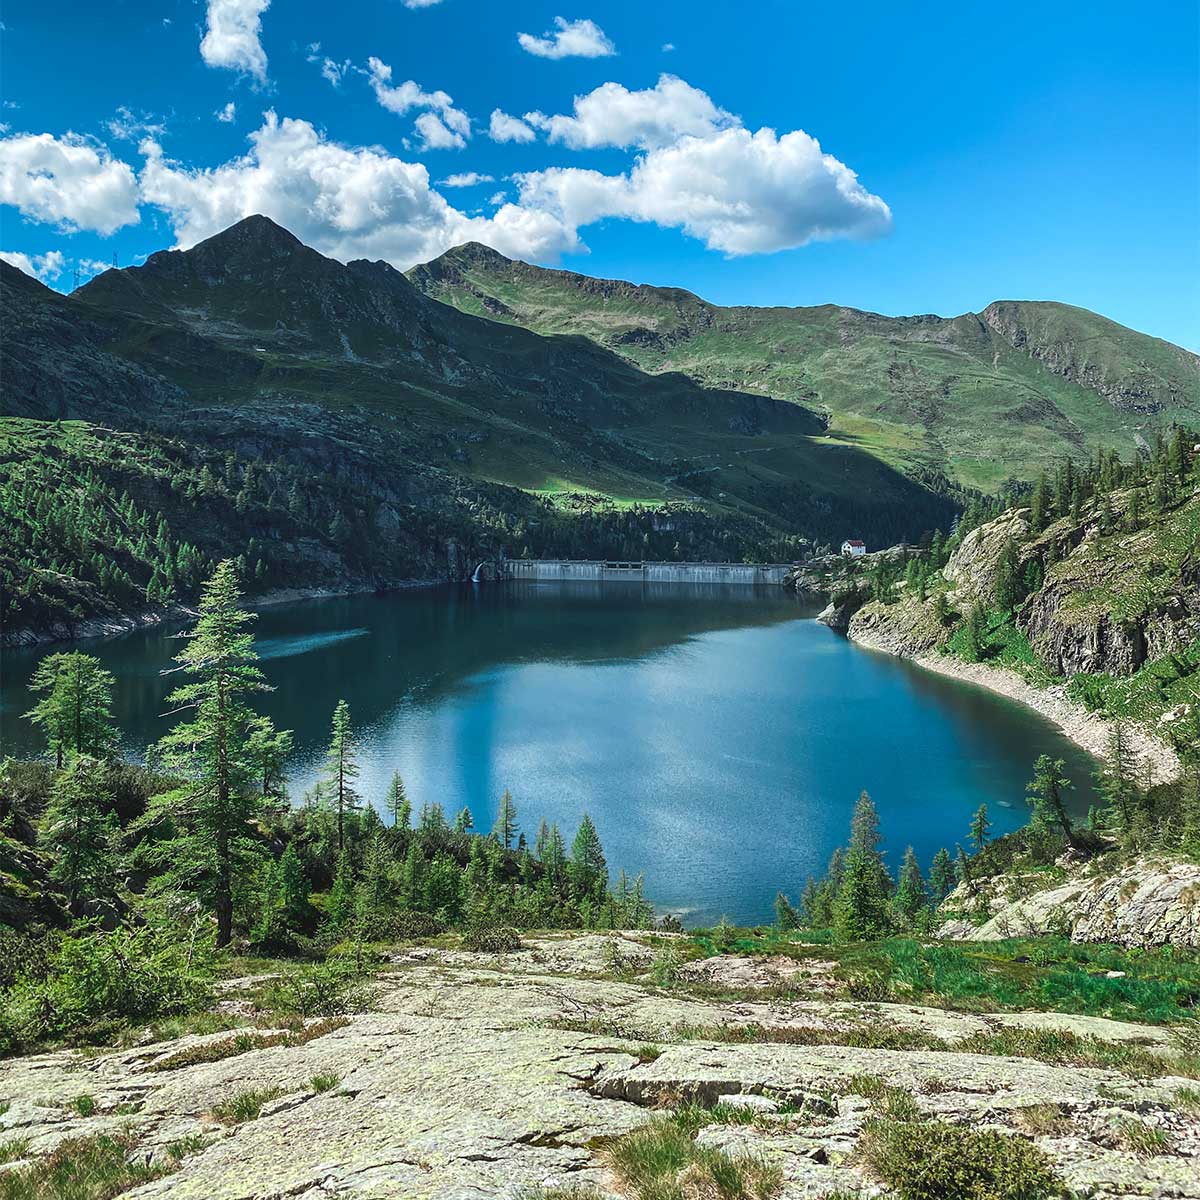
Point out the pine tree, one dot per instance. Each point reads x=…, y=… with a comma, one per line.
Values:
x=464, y=822
x=975, y=634
x=1046, y=795
x=75, y=713
x=341, y=770
x=208, y=845
x=1008, y=577
x=962, y=869
x=78, y=829
x=980, y=826
x=269, y=748
x=860, y=909
x=911, y=896
x=505, y=828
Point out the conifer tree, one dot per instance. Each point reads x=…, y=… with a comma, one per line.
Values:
x=464, y=822
x=980, y=825
x=208, y=846
x=1116, y=781
x=269, y=748
x=397, y=803
x=860, y=909
x=505, y=829
x=75, y=712
x=341, y=770
x=587, y=868
x=1046, y=792
x=785, y=914
x=911, y=896
x=78, y=829
x=339, y=905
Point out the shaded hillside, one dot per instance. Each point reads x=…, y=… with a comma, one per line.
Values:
x=982, y=397
x=361, y=433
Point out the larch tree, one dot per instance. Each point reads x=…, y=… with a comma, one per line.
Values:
x=1046, y=794
x=505, y=828
x=75, y=711
x=203, y=832
x=79, y=829
x=398, y=805
x=980, y=825
x=341, y=771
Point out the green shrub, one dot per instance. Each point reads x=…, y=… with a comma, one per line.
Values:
x=85, y=1105
x=325, y=1081
x=491, y=939
x=403, y=924
x=329, y=989
x=96, y=980
x=930, y=1160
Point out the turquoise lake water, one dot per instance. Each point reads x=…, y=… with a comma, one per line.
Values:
x=719, y=737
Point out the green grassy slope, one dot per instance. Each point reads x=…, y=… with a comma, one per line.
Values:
x=981, y=397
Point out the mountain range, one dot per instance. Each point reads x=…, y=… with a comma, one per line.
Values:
x=356, y=426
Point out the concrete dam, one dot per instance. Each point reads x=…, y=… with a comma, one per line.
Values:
x=558, y=570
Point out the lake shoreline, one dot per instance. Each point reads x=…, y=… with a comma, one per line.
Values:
x=105, y=627
x=1088, y=730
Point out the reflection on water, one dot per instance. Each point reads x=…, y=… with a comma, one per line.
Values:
x=718, y=735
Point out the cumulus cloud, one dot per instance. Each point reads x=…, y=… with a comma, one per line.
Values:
x=70, y=182
x=506, y=128
x=347, y=202
x=736, y=191
x=569, y=39
x=421, y=3
x=611, y=115
x=45, y=267
x=441, y=127
x=231, y=39
x=467, y=179
x=227, y=114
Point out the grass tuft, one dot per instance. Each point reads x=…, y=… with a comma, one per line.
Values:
x=94, y=1168
x=245, y=1106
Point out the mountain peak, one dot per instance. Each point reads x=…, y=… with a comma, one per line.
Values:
x=255, y=231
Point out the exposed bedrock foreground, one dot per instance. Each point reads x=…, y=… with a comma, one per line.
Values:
x=472, y=1080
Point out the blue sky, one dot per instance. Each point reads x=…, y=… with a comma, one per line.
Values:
x=967, y=152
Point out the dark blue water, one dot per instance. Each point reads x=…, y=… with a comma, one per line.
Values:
x=719, y=737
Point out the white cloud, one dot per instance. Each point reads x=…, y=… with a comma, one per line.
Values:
x=69, y=182
x=506, y=128
x=614, y=116
x=668, y=47
x=442, y=127
x=45, y=267
x=736, y=191
x=232, y=37
x=347, y=202
x=129, y=127
x=421, y=3
x=227, y=114
x=92, y=266
x=497, y=197
x=569, y=39
x=331, y=70
x=467, y=179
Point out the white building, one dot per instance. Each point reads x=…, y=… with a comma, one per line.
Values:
x=853, y=548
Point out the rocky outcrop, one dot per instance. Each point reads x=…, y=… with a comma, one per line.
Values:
x=973, y=567
x=478, y=1078
x=1149, y=903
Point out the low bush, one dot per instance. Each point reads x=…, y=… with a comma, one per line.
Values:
x=930, y=1160
x=95, y=981
x=329, y=989
x=491, y=939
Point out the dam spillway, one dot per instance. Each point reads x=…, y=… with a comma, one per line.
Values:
x=558, y=570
